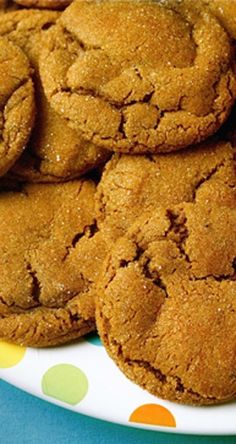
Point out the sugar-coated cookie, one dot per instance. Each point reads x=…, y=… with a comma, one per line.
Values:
x=139, y=76
x=166, y=307
x=44, y=285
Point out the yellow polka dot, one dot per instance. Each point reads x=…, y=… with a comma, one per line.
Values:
x=10, y=354
x=153, y=414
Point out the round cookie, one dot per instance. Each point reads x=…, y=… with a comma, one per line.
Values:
x=133, y=185
x=44, y=281
x=162, y=80
x=17, y=108
x=55, y=152
x=166, y=310
x=51, y=4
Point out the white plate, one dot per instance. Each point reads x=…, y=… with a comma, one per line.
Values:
x=81, y=377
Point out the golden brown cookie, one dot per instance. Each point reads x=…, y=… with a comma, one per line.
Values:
x=133, y=185
x=25, y=29
x=51, y=4
x=160, y=81
x=44, y=286
x=166, y=310
x=225, y=11
x=55, y=152
x=17, y=107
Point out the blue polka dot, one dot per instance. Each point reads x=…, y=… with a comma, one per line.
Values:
x=93, y=339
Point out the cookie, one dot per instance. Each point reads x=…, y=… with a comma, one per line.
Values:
x=44, y=286
x=160, y=81
x=55, y=152
x=17, y=107
x=225, y=11
x=25, y=29
x=51, y=4
x=166, y=310
x=133, y=185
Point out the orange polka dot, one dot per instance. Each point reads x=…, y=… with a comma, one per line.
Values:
x=153, y=414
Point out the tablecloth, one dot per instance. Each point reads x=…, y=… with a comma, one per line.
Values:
x=25, y=419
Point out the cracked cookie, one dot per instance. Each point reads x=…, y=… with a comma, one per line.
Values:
x=162, y=80
x=51, y=4
x=133, y=185
x=17, y=107
x=166, y=310
x=55, y=152
x=44, y=278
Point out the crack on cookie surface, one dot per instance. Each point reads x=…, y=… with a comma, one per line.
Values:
x=36, y=289
x=144, y=364
x=174, y=381
x=88, y=231
x=205, y=179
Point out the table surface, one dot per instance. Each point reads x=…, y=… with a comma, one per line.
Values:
x=25, y=419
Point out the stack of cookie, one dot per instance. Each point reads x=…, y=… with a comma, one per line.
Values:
x=118, y=204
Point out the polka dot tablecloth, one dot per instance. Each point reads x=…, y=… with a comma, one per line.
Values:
x=81, y=377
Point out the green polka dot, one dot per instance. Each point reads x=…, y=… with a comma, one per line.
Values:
x=66, y=383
